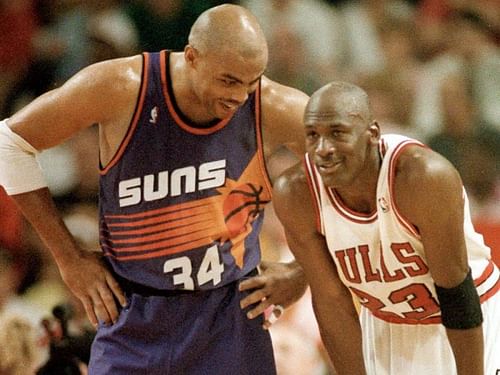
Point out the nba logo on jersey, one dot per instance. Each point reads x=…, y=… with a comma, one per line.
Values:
x=154, y=115
x=383, y=204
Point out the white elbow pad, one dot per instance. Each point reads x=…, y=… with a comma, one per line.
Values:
x=19, y=169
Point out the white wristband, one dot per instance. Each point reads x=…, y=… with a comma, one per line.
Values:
x=19, y=169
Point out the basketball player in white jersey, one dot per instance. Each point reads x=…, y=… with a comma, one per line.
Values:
x=384, y=220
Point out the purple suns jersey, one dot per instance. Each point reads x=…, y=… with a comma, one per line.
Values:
x=181, y=207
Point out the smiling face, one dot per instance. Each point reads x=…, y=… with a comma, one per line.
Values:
x=222, y=82
x=227, y=54
x=341, y=138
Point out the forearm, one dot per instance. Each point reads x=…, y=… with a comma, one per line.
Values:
x=341, y=334
x=467, y=346
x=39, y=209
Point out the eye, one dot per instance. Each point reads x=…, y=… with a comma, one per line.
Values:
x=311, y=135
x=228, y=81
x=335, y=133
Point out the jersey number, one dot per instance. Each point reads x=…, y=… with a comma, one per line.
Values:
x=210, y=269
x=417, y=296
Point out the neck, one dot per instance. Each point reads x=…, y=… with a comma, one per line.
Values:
x=184, y=96
x=361, y=196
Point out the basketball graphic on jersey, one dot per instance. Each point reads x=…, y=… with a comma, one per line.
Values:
x=242, y=206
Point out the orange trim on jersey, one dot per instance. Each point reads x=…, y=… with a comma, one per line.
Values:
x=491, y=292
x=177, y=231
x=172, y=239
x=392, y=173
x=260, y=146
x=312, y=182
x=167, y=225
x=486, y=273
x=135, y=117
x=168, y=100
x=157, y=211
x=162, y=252
x=179, y=214
x=348, y=213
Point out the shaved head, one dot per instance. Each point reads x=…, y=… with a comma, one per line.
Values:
x=339, y=99
x=228, y=28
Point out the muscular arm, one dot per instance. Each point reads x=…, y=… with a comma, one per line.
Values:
x=429, y=194
x=282, y=123
x=332, y=302
x=98, y=94
x=283, y=136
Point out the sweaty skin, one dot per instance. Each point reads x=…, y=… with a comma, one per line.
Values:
x=209, y=83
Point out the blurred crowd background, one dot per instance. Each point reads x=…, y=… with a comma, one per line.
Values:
x=431, y=68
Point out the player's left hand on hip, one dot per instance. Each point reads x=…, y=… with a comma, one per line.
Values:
x=276, y=287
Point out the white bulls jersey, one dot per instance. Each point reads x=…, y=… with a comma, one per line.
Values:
x=380, y=258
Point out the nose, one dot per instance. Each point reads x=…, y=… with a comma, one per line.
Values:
x=239, y=95
x=323, y=147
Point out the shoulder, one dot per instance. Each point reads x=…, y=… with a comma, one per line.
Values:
x=281, y=98
x=425, y=182
x=106, y=90
x=111, y=74
x=291, y=189
x=417, y=165
x=282, y=110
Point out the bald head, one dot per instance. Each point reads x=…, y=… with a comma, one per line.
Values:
x=339, y=99
x=228, y=28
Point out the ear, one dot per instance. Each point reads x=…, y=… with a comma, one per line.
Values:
x=190, y=55
x=374, y=130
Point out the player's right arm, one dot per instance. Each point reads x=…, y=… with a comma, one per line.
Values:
x=98, y=94
x=332, y=302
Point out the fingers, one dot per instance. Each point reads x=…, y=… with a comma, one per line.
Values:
x=89, y=309
x=101, y=305
x=255, y=282
x=117, y=291
x=260, y=308
x=254, y=297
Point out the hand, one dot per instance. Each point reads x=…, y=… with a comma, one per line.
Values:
x=89, y=279
x=278, y=284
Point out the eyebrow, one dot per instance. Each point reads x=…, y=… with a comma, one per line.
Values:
x=240, y=81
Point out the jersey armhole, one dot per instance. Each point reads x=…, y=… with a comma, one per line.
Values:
x=135, y=117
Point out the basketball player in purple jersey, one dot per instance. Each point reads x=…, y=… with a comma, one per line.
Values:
x=385, y=220
x=184, y=140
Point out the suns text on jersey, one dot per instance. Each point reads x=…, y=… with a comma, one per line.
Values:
x=173, y=183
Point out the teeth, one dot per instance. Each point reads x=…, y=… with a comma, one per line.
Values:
x=229, y=106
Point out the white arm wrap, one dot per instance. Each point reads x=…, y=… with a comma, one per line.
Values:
x=19, y=169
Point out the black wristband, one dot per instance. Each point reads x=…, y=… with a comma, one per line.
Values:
x=460, y=305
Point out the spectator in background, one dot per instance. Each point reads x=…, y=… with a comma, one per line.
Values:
x=362, y=20
x=389, y=99
x=20, y=353
x=306, y=37
x=11, y=222
x=165, y=24
x=472, y=146
x=462, y=42
x=18, y=24
x=11, y=302
x=474, y=43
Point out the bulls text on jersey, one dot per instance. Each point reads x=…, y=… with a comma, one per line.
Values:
x=412, y=264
